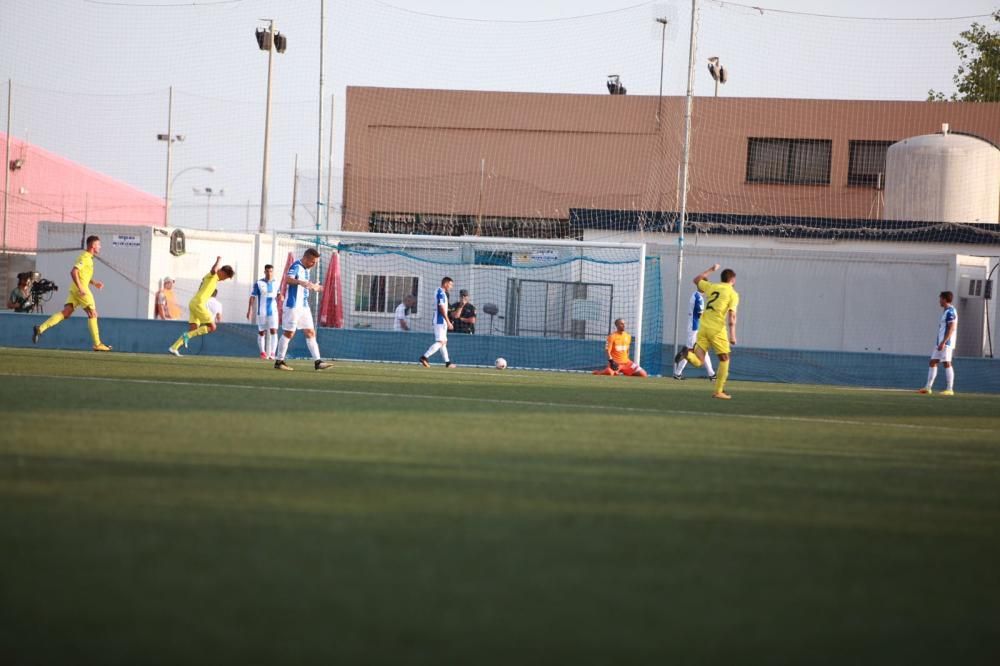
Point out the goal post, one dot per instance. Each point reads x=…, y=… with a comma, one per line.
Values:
x=546, y=304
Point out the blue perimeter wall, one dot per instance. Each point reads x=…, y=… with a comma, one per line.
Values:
x=979, y=375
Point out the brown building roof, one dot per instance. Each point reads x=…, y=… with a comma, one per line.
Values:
x=494, y=154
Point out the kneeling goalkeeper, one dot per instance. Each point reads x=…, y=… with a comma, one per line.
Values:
x=617, y=349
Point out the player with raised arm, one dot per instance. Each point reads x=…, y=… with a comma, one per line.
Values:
x=297, y=313
x=947, y=332
x=442, y=324
x=721, y=304
x=80, y=295
x=265, y=297
x=617, y=351
x=202, y=321
x=696, y=308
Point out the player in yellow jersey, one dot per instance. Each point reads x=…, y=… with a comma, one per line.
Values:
x=80, y=295
x=201, y=321
x=721, y=304
x=617, y=350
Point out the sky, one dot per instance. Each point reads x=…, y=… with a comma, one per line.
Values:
x=91, y=77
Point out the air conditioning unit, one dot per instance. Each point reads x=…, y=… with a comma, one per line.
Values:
x=975, y=288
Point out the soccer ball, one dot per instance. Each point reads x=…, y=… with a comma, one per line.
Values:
x=501, y=363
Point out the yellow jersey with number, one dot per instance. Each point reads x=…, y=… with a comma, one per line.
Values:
x=85, y=268
x=720, y=298
x=208, y=285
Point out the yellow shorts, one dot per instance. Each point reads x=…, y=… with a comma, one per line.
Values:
x=713, y=340
x=78, y=301
x=199, y=314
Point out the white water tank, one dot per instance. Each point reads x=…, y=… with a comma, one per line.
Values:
x=943, y=178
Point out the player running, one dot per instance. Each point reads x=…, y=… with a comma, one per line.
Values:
x=265, y=298
x=947, y=332
x=80, y=295
x=721, y=304
x=442, y=324
x=617, y=350
x=297, y=313
x=696, y=308
x=201, y=321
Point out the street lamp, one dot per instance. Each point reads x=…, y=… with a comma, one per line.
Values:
x=268, y=40
x=210, y=169
x=718, y=72
x=208, y=192
x=170, y=138
x=662, y=20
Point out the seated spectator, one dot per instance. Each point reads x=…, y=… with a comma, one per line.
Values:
x=401, y=321
x=166, y=302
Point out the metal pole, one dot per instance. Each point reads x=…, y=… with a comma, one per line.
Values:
x=267, y=129
x=482, y=177
x=663, y=45
x=684, y=173
x=170, y=141
x=6, y=179
x=319, y=131
x=295, y=189
x=642, y=303
x=329, y=170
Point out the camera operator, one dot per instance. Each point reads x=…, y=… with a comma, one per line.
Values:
x=20, y=297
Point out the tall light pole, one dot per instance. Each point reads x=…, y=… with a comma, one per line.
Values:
x=268, y=40
x=685, y=164
x=170, y=138
x=208, y=192
x=662, y=20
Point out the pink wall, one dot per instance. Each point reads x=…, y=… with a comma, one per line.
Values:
x=50, y=187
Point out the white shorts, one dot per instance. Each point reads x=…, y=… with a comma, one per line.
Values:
x=265, y=322
x=692, y=338
x=440, y=332
x=296, y=318
x=942, y=354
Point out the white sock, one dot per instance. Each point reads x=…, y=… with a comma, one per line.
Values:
x=313, y=348
x=432, y=350
x=444, y=353
x=272, y=344
x=282, y=348
x=949, y=376
x=931, y=376
x=260, y=343
x=679, y=367
x=708, y=365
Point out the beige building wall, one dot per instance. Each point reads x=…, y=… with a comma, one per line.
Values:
x=538, y=155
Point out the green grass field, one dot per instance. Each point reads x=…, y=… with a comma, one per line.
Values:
x=213, y=510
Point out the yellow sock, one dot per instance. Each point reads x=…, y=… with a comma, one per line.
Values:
x=177, y=343
x=51, y=321
x=95, y=335
x=693, y=359
x=721, y=375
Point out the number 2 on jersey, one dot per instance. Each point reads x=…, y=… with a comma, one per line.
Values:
x=714, y=298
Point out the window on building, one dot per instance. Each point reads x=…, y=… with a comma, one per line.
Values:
x=382, y=293
x=867, y=163
x=789, y=161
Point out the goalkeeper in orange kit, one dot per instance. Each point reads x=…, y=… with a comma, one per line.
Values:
x=617, y=349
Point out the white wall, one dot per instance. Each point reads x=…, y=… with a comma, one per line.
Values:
x=134, y=259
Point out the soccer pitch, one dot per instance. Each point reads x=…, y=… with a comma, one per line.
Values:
x=213, y=510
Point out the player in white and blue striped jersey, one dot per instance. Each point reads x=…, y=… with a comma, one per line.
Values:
x=265, y=299
x=296, y=313
x=442, y=324
x=696, y=307
x=944, y=347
